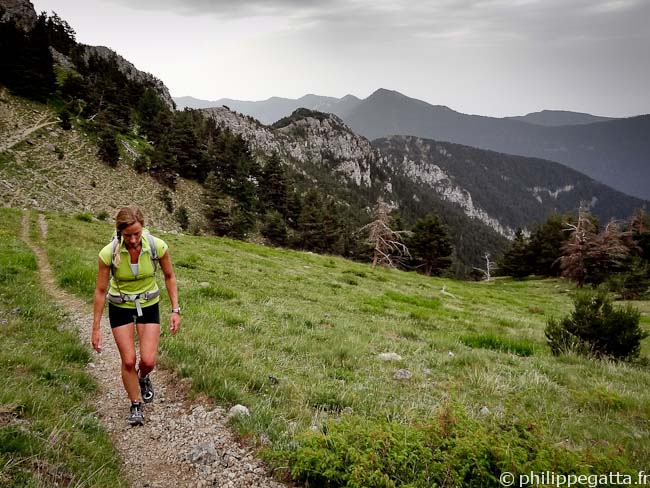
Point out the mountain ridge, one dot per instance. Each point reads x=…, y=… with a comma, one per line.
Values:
x=615, y=152
x=555, y=118
x=325, y=139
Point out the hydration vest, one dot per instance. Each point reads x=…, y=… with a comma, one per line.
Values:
x=123, y=297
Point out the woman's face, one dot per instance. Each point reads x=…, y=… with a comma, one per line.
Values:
x=132, y=235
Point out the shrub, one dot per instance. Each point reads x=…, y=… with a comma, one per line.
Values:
x=141, y=164
x=597, y=328
x=64, y=119
x=84, y=216
x=166, y=197
x=182, y=217
x=107, y=148
x=449, y=450
x=60, y=154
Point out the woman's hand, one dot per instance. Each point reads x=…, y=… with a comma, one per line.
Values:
x=174, y=322
x=96, y=340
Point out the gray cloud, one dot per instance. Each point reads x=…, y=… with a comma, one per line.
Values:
x=490, y=21
x=229, y=9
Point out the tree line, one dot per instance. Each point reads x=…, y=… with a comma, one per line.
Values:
x=579, y=248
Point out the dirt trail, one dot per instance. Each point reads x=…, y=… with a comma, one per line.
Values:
x=182, y=443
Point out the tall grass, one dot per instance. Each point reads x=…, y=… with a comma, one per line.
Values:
x=296, y=337
x=49, y=433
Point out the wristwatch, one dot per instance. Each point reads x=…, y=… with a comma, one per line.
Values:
x=176, y=310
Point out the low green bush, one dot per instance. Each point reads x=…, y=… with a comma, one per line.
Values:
x=498, y=343
x=84, y=216
x=597, y=328
x=449, y=450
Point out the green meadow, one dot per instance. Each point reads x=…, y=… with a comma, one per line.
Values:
x=296, y=337
x=49, y=431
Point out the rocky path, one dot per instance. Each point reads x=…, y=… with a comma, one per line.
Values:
x=182, y=443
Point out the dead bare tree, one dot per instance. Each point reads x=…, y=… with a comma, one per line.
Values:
x=573, y=261
x=389, y=248
x=490, y=266
x=589, y=256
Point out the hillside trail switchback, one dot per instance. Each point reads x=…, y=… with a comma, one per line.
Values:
x=183, y=443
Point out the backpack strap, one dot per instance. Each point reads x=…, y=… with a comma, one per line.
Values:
x=114, y=243
x=153, y=252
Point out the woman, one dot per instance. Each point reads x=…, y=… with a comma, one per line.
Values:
x=130, y=263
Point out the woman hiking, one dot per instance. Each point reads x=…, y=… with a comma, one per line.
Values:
x=130, y=262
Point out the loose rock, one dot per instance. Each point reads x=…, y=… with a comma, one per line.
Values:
x=238, y=410
x=389, y=356
x=402, y=374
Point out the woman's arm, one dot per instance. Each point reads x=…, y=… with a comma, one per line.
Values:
x=98, y=304
x=170, y=284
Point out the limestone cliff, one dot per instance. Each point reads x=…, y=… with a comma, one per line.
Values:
x=305, y=137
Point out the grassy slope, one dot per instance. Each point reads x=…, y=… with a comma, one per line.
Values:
x=49, y=433
x=33, y=175
x=316, y=324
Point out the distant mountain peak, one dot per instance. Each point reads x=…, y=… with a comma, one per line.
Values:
x=548, y=117
x=385, y=92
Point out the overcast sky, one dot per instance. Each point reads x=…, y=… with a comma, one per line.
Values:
x=487, y=57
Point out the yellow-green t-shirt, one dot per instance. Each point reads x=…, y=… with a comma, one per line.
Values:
x=123, y=279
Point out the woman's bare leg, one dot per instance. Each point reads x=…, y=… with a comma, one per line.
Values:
x=125, y=341
x=149, y=337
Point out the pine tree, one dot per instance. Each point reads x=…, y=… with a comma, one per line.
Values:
x=516, y=261
x=189, y=152
x=26, y=64
x=273, y=191
x=60, y=35
x=545, y=248
x=219, y=206
x=430, y=246
x=148, y=108
x=274, y=228
x=108, y=150
x=640, y=235
x=311, y=233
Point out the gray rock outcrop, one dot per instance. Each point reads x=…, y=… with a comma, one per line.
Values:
x=22, y=12
x=130, y=71
x=321, y=139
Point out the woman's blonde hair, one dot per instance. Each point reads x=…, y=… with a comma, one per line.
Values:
x=125, y=217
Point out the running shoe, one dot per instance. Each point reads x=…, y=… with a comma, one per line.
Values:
x=135, y=416
x=146, y=389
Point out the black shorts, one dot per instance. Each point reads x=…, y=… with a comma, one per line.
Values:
x=121, y=316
